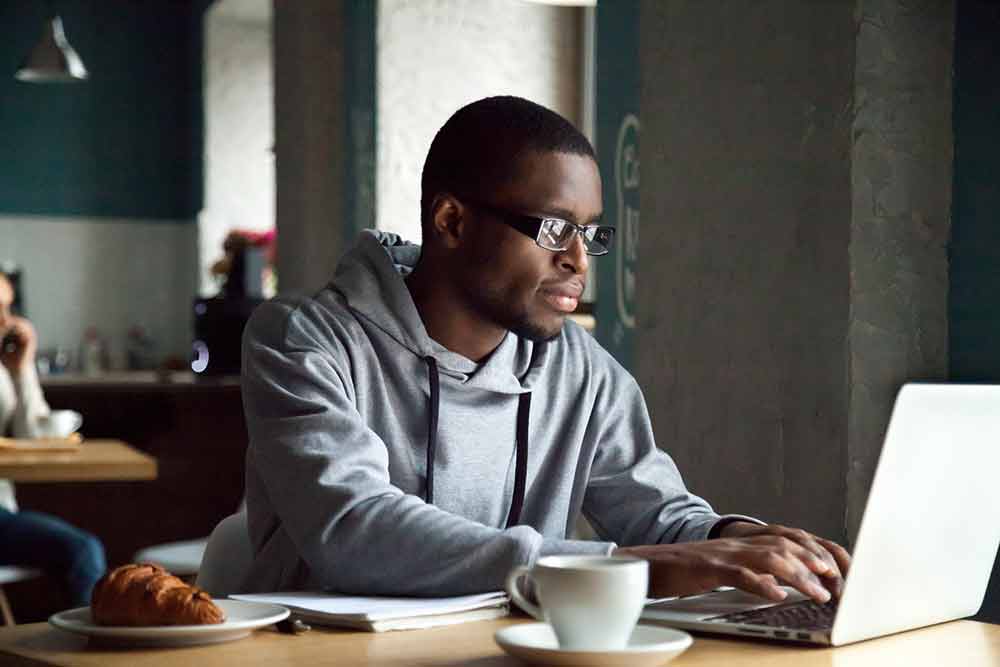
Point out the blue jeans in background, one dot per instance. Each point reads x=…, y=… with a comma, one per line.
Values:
x=71, y=556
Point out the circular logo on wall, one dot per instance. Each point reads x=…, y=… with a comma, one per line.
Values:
x=627, y=217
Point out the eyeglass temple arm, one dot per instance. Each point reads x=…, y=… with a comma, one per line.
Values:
x=525, y=224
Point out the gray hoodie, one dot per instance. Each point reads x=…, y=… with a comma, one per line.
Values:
x=349, y=403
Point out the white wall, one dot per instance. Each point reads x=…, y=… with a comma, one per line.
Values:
x=239, y=127
x=107, y=273
x=435, y=56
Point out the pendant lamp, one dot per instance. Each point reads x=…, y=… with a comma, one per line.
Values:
x=52, y=60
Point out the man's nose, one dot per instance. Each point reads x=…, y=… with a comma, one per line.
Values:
x=575, y=258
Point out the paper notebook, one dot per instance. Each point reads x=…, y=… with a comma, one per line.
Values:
x=378, y=614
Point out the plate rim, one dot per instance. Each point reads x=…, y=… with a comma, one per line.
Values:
x=152, y=632
x=682, y=642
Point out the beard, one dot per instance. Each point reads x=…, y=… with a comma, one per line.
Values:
x=498, y=304
x=497, y=307
x=534, y=332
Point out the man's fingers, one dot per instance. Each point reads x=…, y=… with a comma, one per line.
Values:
x=792, y=565
x=764, y=585
x=813, y=561
x=770, y=578
x=831, y=575
x=814, y=545
x=830, y=570
x=835, y=557
x=754, y=563
x=839, y=553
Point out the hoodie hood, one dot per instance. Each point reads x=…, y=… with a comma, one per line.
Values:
x=370, y=277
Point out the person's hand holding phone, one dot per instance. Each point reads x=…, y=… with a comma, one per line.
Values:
x=20, y=343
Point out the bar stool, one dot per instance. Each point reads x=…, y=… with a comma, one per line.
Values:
x=182, y=559
x=10, y=574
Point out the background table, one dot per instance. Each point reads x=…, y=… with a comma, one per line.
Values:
x=194, y=429
x=112, y=463
x=964, y=643
x=96, y=460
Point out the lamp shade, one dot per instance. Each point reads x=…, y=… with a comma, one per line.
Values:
x=52, y=60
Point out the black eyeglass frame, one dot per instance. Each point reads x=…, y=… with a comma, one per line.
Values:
x=531, y=226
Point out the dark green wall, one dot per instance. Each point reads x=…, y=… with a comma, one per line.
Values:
x=127, y=142
x=617, y=115
x=975, y=246
x=359, y=75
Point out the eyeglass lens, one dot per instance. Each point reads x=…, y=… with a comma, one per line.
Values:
x=558, y=234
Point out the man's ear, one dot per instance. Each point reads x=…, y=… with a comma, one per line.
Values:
x=448, y=218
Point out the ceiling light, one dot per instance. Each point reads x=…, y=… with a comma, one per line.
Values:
x=52, y=60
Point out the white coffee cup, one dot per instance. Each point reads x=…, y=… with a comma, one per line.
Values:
x=59, y=424
x=591, y=602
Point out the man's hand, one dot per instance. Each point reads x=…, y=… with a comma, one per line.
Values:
x=25, y=343
x=835, y=556
x=750, y=557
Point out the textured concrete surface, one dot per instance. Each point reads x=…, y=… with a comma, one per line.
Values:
x=901, y=218
x=436, y=56
x=756, y=343
x=309, y=136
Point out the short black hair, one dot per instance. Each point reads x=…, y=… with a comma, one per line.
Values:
x=477, y=149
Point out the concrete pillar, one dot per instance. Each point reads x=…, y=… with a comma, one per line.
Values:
x=793, y=263
x=310, y=121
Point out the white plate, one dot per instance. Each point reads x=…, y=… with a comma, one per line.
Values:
x=649, y=645
x=242, y=618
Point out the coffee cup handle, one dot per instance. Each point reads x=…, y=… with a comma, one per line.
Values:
x=515, y=593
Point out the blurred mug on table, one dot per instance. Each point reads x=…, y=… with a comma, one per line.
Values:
x=58, y=424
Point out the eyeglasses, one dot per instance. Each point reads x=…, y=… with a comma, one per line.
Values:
x=553, y=234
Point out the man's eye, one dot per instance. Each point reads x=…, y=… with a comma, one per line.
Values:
x=556, y=227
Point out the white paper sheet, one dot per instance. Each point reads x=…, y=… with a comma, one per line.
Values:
x=375, y=608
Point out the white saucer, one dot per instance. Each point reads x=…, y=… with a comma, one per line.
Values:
x=242, y=618
x=649, y=645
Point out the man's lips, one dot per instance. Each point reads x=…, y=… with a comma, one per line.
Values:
x=563, y=296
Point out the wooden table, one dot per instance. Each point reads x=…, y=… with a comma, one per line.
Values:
x=964, y=643
x=96, y=460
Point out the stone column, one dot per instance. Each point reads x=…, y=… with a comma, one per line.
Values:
x=310, y=125
x=793, y=269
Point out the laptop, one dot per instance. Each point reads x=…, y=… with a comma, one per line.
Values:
x=927, y=541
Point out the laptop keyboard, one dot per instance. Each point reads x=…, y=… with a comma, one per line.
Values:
x=802, y=615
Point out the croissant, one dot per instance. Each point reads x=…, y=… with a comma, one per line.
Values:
x=147, y=594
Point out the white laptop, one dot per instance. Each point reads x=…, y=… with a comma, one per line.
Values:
x=927, y=540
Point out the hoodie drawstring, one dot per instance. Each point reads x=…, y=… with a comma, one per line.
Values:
x=520, y=455
x=432, y=428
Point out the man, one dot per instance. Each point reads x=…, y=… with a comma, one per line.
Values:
x=73, y=557
x=430, y=419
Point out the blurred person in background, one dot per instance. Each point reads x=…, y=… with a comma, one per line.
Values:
x=73, y=557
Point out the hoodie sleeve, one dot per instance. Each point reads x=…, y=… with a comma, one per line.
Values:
x=635, y=494
x=326, y=479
